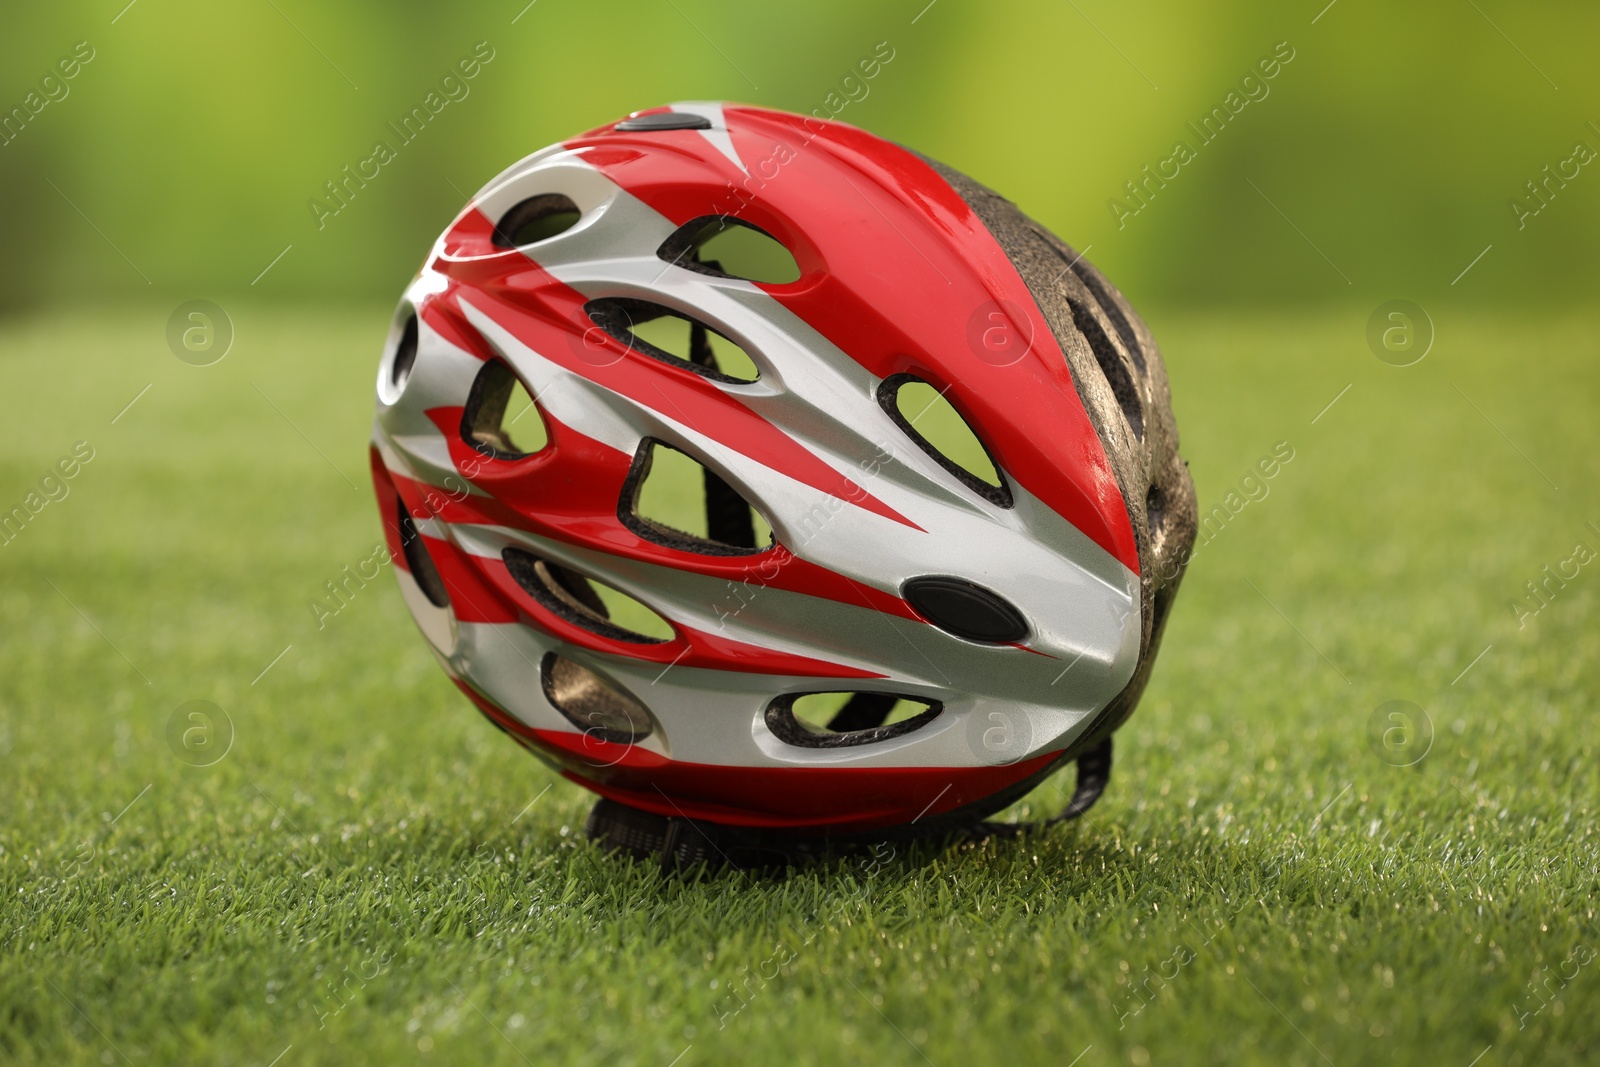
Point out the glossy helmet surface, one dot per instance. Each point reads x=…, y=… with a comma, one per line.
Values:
x=980, y=621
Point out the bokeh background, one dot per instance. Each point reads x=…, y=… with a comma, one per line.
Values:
x=1394, y=140
x=340, y=862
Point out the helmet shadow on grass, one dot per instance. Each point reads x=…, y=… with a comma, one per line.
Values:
x=1096, y=863
x=776, y=862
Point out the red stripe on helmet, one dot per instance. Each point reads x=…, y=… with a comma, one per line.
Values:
x=445, y=319
x=388, y=507
x=899, y=273
x=799, y=798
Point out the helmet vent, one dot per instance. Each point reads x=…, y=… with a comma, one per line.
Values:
x=672, y=499
x=725, y=247
x=1096, y=285
x=585, y=602
x=419, y=562
x=836, y=720
x=663, y=120
x=600, y=709
x=500, y=418
x=405, y=353
x=536, y=219
x=1111, y=365
x=929, y=419
x=1155, y=509
x=1119, y=321
x=673, y=337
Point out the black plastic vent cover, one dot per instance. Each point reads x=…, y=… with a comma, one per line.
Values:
x=964, y=609
x=663, y=120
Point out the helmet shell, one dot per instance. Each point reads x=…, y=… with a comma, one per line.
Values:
x=1017, y=621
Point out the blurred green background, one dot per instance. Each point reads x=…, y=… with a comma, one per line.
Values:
x=1383, y=906
x=182, y=157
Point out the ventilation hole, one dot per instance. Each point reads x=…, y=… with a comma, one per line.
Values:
x=843, y=713
x=688, y=340
x=726, y=247
x=1111, y=365
x=835, y=720
x=933, y=418
x=1102, y=294
x=674, y=500
x=586, y=602
x=523, y=424
x=420, y=563
x=1155, y=509
x=1130, y=339
x=930, y=420
x=405, y=353
x=673, y=337
x=500, y=418
x=599, y=708
x=536, y=219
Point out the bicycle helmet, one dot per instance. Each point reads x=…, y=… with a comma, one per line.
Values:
x=861, y=634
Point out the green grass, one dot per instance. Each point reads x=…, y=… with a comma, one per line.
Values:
x=373, y=874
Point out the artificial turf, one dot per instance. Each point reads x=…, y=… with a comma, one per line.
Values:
x=370, y=873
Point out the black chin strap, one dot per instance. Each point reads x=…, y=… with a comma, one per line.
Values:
x=680, y=844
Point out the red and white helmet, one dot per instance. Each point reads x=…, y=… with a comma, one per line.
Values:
x=973, y=627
